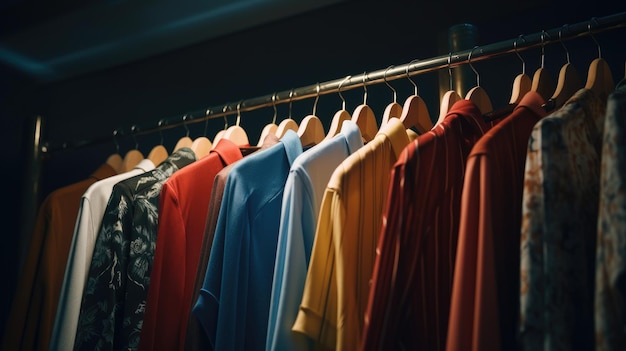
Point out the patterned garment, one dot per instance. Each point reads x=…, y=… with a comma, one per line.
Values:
x=114, y=299
x=610, y=296
x=560, y=211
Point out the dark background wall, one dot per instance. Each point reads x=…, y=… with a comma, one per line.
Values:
x=324, y=44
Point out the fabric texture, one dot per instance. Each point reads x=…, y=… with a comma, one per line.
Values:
x=31, y=319
x=610, y=294
x=114, y=298
x=195, y=338
x=560, y=212
x=337, y=282
x=233, y=304
x=302, y=199
x=409, y=301
x=183, y=206
x=93, y=205
x=485, y=292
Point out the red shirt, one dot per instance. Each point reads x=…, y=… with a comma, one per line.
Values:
x=412, y=281
x=183, y=206
x=485, y=297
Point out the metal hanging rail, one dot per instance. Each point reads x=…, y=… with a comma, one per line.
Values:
x=415, y=67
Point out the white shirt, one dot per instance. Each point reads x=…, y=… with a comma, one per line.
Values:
x=92, y=207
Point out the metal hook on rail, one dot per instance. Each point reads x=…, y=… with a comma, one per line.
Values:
x=395, y=95
x=416, y=90
x=343, y=104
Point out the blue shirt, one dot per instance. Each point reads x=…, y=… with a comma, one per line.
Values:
x=233, y=304
x=302, y=199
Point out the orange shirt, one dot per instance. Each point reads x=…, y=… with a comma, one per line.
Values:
x=30, y=323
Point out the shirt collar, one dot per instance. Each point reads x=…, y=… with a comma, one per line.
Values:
x=352, y=134
x=293, y=146
x=534, y=102
x=145, y=165
x=227, y=151
x=396, y=133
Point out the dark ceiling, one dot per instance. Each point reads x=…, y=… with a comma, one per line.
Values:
x=49, y=41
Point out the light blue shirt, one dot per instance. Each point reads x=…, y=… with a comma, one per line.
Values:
x=233, y=304
x=302, y=198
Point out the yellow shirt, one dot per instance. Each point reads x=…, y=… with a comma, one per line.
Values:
x=338, y=280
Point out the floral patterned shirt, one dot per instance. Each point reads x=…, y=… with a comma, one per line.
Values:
x=114, y=299
x=559, y=216
x=610, y=296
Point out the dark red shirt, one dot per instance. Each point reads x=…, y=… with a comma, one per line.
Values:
x=412, y=281
x=485, y=299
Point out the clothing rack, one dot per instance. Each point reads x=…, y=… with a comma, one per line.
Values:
x=415, y=67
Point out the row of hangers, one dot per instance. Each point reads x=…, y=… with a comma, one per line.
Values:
x=413, y=113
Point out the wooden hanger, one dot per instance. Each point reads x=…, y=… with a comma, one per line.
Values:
x=340, y=116
x=311, y=130
x=235, y=133
x=599, y=76
x=522, y=82
x=116, y=162
x=201, y=146
x=394, y=109
x=414, y=112
x=288, y=123
x=449, y=98
x=477, y=94
x=185, y=141
x=134, y=156
x=364, y=117
x=159, y=153
x=269, y=128
x=542, y=82
x=568, y=83
x=219, y=135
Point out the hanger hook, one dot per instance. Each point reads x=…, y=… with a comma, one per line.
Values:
x=239, y=112
x=225, y=119
x=562, y=43
x=450, y=70
x=364, y=88
x=543, y=45
x=117, y=145
x=206, y=121
x=343, y=104
x=160, y=125
x=185, y=117
x=134, y=129
x=521, y=36
x=290, y=99
x=317, y=97
x=395, y=95
x=469, y=61
x=593, y=19
x=274, y=106
x=409, y=77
